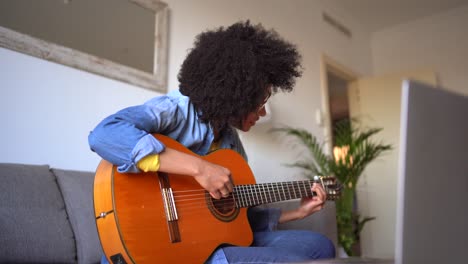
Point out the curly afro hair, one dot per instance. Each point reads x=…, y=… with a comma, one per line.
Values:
x=226, y=73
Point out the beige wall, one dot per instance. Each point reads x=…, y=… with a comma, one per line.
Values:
x=437, y=42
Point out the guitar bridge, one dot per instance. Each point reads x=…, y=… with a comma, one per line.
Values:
x=169, y=204
x=170, y=208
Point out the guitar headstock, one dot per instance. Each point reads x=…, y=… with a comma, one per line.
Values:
x=331, y=186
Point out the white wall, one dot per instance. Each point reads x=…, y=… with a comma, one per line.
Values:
x=437, y=42
x=47, y=109
x=298, y=21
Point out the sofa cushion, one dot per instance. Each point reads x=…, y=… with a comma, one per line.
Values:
x=33, y=222
x=77, y=190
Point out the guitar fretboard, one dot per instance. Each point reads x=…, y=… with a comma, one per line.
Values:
x=263, y=193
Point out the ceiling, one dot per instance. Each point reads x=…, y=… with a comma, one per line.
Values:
x=379, y=14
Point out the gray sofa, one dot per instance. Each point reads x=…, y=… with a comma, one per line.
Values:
x=47, y=216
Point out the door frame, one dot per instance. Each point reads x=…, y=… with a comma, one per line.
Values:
x=327, y=64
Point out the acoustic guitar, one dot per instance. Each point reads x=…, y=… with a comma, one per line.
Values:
x=169, y=218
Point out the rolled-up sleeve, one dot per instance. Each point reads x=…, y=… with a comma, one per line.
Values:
x=125, y=137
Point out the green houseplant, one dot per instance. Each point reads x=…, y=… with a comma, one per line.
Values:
x=357, y=151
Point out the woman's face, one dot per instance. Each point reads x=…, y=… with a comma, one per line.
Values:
x=252, y=118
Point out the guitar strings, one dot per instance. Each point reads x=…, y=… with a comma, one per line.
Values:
x=249, y=194
x=249, y=189
x=269, y=186
x=244, y=190
x=190, y=202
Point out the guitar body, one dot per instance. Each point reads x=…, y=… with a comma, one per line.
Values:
x=134, y=221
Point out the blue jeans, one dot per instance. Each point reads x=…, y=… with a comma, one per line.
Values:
x=275, y=247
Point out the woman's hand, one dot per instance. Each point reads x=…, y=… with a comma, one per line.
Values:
x=307, y=206
x=315, y=203
x=213, y=178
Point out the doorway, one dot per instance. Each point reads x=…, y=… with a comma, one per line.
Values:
x=338, y=100
x=335, y=80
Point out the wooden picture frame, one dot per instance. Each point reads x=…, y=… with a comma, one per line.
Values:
x=156, y=81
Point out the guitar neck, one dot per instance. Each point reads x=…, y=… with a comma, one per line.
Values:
x=263, y=193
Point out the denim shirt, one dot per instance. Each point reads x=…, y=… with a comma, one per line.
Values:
x=125, y=137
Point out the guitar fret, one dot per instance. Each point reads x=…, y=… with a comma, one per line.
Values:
x=246, y=195
x=275, y=186
x=305, y=189
x=282, y=187
x=242, y=196
x=249, y=192
x=255, y=193
x=236, y=196
x=246, y=198
x=294, y=186
x=264, y=194
x=253, y=190
x=271, y=192
x=274, y=192
x=259, y=194
x=242, y=191
x=278, y=192
x=291, y=188
x=288, y=193
x=267, y=193
x=299, y=189
x=294, y=190
x=310, y=188
x=303, y=184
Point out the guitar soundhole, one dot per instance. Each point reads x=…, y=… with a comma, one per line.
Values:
x=224, y=209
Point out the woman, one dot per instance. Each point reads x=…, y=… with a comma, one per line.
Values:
x=225, y=81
